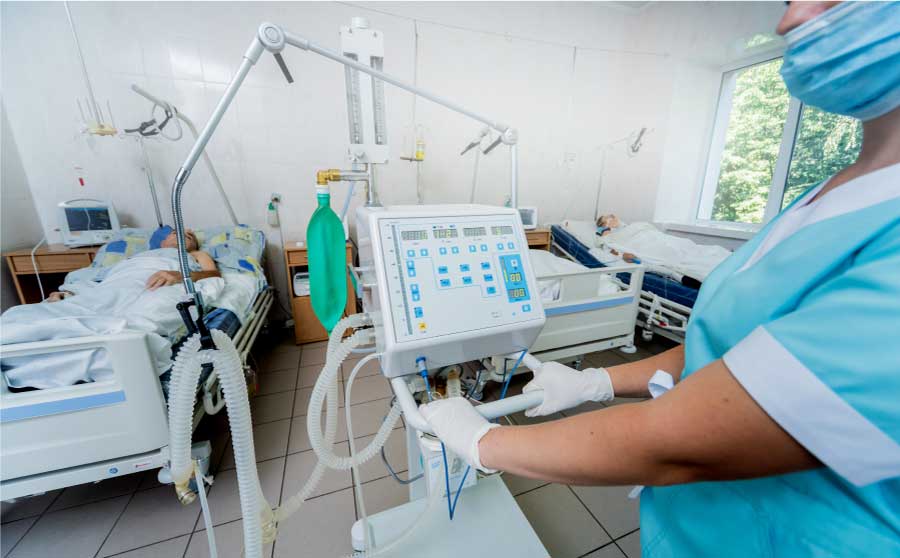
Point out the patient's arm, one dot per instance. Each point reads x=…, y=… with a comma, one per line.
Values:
x=630, y=380
x=207, y=269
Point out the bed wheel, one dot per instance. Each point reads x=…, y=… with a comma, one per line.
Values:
x=647, y=335
x=629, y=349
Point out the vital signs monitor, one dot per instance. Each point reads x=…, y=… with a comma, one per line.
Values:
x=450, y=283
x=85, y=222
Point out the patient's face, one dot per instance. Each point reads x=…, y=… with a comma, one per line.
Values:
x=610, y=221
x=190, y=241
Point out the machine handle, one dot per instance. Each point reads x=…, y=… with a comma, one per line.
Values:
x=283, y=66
x=490, y=411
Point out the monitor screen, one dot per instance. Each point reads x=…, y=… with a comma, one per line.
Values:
x=88, y=219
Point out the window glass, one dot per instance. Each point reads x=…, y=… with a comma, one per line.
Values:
x=825, y=144
x=759, y=108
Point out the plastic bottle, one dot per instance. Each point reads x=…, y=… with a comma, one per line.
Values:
x=327, y=261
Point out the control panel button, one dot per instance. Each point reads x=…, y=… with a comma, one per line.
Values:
x=488, y=277
x=467, y=280
x=412, y=272
x=510, y=245
x=485, y=265
x=422, y=327
x=442, y=269
x=442, y=251
x=492, y=290
x=410, y=253
x=416, y=297
x=499, y=246
x=445, y=282
x=423, y=252
x=418, y=311
x=414, y=288
x=526, y=308
x=455, y=249
x=484, y=247
x=472, y=248
x=410, y=264
x=464, y=267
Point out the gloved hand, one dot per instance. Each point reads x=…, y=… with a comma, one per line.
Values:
x=566, y=387
x=459, y=426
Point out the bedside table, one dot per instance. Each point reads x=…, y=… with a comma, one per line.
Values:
x=539, y=239
x=53, y=262
x=307, y=328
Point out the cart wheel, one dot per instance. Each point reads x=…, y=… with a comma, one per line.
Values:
x=647, y=335
x=628, y=349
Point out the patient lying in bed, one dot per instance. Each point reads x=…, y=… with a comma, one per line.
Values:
x=679, y=258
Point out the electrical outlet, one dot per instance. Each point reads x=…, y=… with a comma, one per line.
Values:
x=275, y=197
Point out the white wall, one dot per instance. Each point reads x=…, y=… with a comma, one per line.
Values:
x=571, y=77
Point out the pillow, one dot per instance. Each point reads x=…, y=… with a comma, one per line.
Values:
x=235, y=248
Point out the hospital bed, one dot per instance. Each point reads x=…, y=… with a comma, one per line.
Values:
x=664, y=305
x=63, y=436
x=587, y=309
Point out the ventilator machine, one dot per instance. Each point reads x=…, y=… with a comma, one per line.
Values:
x=440, y=286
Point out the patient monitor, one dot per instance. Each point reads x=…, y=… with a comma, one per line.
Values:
x=451, y=283
x=86, y=222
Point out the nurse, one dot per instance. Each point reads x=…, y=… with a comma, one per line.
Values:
x=781, y=436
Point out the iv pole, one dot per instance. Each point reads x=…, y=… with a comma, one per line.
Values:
x=272, y=38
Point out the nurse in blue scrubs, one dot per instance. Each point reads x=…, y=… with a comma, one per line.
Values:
x=781, y=435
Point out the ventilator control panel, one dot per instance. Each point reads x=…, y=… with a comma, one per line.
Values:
x=465, y=275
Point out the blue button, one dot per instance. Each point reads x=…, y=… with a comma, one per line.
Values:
x=464, y=267
x=418, y=311
x=443, y=251
x=484, y=247
x=445, y=282
x=499, y=246
x=414, y=288
x=410, y=264
x=514, y=263
x=526, y=308
x=467, y=280
x=510, y=245
x=488, y=277
x=485, y=265
x=455, y=249
x=415, y=297
x=412, y=272
x=442, y=269
x=491, y=290
x=423, y=252
x=472, y=248
x=410, y=253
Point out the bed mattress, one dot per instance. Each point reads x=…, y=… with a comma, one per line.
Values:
x=657, y=284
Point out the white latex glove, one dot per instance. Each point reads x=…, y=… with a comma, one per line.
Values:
x=459, y=426
x=566, y=387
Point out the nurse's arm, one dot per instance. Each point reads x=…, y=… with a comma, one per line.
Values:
x=706, y=428
x=630, y=380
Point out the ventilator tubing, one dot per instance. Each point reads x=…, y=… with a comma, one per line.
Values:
x=259, y=524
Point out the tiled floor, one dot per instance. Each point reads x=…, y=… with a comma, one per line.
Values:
x=136, y=517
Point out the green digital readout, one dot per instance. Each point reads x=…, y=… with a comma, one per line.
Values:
x=414, y=235
x=445, y=233
x=515, y=277
x=474, y=231
x=501, y=229
x=516, y=293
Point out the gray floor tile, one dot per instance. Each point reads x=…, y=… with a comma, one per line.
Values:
x=301, y=465
x=11, y=533
x=584, y=408
x=314, y=344
x=276, y=382
x=603, y=359
x=370, y=388
x=394, y=450
x=608, y=551
x=521, y=420
x=384, y=494
x=270, y=440
x=95, y=491
x=309, y=375
x=152, y=515
x=29, y=506
x=370, y=368
x=281, y=360
x=224, y=499
x=266, y=408
x=623, y=400
x=612, y=507
x=561, y=522
x=518, y=485
x=631, y=544
x=367, y=419
x=172, y=548
x=320, y=528
x=301, y=403
x=229, y=542
x=312, y=355
x=85, y=527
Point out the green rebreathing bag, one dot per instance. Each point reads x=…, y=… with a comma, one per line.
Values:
x=327, y=262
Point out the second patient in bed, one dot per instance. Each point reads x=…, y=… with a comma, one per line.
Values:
x=202, y=265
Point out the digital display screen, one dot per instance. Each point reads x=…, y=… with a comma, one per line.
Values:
x=88, y=219
x=414, y=235
x=445, y=233
x=516, y=293
x=475, y=231
x=501, y=229
x=515, y=277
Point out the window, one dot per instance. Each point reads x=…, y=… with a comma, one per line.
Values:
x=767, y=148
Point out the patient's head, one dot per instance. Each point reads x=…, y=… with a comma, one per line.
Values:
x=190, y=241
x=608, y=222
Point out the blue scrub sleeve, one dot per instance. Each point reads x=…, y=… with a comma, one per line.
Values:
x=829, y=371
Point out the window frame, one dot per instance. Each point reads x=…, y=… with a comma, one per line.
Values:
x=717, y=146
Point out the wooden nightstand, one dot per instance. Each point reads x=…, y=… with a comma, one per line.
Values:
x=539, y=239
x=53, y=262
x=307, y=328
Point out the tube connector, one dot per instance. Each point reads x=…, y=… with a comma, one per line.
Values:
x=185, y=495
x=323, y=177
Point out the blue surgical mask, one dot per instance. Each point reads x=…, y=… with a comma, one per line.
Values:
x=847, y=60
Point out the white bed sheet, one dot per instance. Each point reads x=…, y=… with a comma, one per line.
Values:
x=545, y=263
